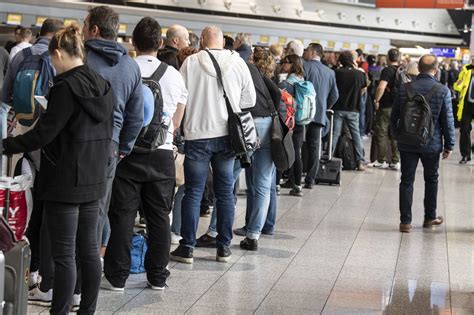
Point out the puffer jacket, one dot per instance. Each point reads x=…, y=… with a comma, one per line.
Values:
x=442, y=115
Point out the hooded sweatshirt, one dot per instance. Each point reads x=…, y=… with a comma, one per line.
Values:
x=110, y=59
x=74, y=134
x=206, y=113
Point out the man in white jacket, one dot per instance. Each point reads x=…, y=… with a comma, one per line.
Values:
x=207, y=141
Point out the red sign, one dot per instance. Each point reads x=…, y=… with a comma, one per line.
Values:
x=422, y=4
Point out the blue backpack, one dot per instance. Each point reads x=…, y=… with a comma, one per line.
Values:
x=34, y=77
x=138, y=251
x=305, y=102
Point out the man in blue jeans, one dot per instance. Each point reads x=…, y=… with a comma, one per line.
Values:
x=207, y=140
x=350, y=83
x=442, y=142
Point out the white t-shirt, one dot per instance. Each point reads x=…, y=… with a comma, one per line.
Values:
x=172, y=87
x=18, y=48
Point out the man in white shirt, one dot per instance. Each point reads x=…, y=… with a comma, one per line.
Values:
x=207, y=140
x=25, y=39
x=146, y=176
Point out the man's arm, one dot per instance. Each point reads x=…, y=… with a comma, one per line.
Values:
x=395, y=115
x=132, y=120
x=379, y=92
x=178, y=116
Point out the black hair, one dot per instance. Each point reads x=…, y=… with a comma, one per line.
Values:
x=106, y=19
x=147, y=35
x=318, y=48
x=393, y=55
x=296, y=64
x=371, y=59
x=51, y=26
x=359, y=52
x=228, y=42
x=346, y=58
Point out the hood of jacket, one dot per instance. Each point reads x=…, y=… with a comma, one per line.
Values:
x=111, y=51
x=245, y=51
x=92, y=92
x=225, y=58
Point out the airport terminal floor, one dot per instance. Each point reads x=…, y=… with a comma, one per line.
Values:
x=335, y=251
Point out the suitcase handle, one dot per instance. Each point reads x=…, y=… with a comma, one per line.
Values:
x=330, y=113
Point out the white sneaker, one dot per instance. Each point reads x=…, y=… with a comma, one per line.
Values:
x=106, y=285
x=76, y=302
x=38, y=297
x=377, y=164
x=34, y=280
x=175, y=238
x=157, y=288
x=394, y=166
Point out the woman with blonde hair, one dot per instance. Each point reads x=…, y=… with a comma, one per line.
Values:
x=412, y=70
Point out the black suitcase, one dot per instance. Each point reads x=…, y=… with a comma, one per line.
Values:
x=330, y=168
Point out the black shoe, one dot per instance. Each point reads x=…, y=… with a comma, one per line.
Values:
x=465, y=159
x=241, y=231
x=287, y=184
x=249, y=244
x=159, y=284
x=308, y=186
x=205, y=213
x=206, y=241
x=182, y=254
x=268, y=232
x=223, y=253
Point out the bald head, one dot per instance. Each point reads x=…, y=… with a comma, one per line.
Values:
x=177, y=36
x=428, y=64
x=212, y=37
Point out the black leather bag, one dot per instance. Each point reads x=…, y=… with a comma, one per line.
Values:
x=283, y=151
x=242, y=130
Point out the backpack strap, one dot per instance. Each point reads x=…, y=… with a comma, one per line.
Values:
x=159, y=72
x=410, y=91
x=27, y=52
x=432, y=92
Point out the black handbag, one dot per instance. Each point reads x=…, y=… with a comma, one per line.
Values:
x=283, y=151
x=242, y=131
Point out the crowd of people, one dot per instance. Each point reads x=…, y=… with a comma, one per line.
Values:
x=99, y=166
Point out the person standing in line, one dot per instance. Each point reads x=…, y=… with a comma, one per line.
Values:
x=177, y=38
x=25, y=38
x=243, y=45
x=146, y=177
x=384, y=95
x=74, y=134
x=206, y=138
x=465, y=86
x=442, y=143
x=111, y=61
x=324, y=81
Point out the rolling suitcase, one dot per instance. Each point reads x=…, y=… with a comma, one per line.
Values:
x=330, y=168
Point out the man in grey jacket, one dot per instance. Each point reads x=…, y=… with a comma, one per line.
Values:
x=324, y=81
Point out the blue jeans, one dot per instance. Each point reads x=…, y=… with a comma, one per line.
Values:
x=199, y=153
x=259, y=179
x=212, y=229
x=409, y=163
x=269, y=226
x=178, y=199
x=363, y=106
x=352, y=121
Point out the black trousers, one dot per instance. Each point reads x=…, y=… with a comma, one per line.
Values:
x=74, y=226
x=149, y=179
x=313, y=142
x=466, y=127
x=409, y=163
x=296, y=171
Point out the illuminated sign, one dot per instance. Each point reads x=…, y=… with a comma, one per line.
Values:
x=122, y=28
x=40, y=20
x=69, y=21
x=331, y=44
x=264, y=39
x=346, y=45
x=14, y=19
x=445, y=4
x=282, y=40
x=443, y=52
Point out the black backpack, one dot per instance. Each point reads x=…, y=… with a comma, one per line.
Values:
x=416, y=127
x=345, y=150
x=154, y=135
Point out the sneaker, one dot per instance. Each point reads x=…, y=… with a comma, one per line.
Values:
x=360, y=166
x=160, y=287
x=106, y=285
x=464, y=160
x=75, y=302
x=394, y=166
x=241, y=231
x=429, y=224
x=206, y=241
x=205, y=213
x=377, y=164
x=308, y=186
x=38, y=297
x=405, y=227
x=249, y=244
x=223, y=253
x=278, y=190
x=175, y=238
x=102, y=263
x=183, y=254
x=296, y=191
x=33, y=280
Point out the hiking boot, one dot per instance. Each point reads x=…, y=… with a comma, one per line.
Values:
x=241, y=231
x=405, y=227
x=360, y=166
x=206, y=241
x=38, y=297
x=296, y=191
x=394, y=166
x=249, y=244
x=223, y=253
x=429, y=224
x=183, y=254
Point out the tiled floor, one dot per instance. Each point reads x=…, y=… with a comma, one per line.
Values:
x=337, y=250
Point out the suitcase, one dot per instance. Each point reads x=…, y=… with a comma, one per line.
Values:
x=330, y=168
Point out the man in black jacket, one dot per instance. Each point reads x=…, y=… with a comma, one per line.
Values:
x=177, y=38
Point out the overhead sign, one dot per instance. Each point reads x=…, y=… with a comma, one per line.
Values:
x=122, y=28
x=442, y=4
x=40, y=20
x=282, y=40
x=264, y=39
x=68, y=22
x=14, y=19
x=443, y=52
